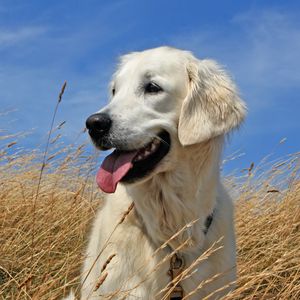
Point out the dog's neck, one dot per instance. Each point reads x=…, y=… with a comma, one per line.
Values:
x=173, y=199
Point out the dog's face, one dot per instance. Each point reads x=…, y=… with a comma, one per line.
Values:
x=161, y=99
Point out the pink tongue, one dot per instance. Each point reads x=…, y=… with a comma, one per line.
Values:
x=114, y=167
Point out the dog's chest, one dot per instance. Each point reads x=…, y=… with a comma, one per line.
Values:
x=137, y=269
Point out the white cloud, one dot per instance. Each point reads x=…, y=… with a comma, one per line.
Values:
x=272, y=47
x=9, y=37
x=260, y=48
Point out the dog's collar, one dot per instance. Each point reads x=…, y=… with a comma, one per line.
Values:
x=177, y=264
x=208, y=222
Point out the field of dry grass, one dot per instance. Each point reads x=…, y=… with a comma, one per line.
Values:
x=47, y=201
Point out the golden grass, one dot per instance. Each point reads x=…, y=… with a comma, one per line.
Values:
x=268, y=234
x=40, y=260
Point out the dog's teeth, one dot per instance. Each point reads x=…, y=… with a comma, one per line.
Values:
x=149, y=149
x=139, y=157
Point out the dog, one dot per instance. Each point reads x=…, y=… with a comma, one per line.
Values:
x=166, y=120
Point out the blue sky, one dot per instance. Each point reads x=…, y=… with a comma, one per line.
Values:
x=43, y=43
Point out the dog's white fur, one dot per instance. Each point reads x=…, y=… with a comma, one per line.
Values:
x=199, y=105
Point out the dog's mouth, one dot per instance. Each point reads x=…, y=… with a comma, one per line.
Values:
x=130, y=166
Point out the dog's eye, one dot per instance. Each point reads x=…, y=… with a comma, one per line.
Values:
x=113, y=91
x=152, y=88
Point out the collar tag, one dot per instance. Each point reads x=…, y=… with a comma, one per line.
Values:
x=176, y=268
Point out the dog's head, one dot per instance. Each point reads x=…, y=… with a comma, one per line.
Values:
x=161, y=99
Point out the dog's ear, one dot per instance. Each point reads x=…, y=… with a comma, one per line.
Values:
x=212, y=106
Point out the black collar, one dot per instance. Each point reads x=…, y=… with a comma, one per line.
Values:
x=208, y=222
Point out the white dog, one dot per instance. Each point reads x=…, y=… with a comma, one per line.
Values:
x=166, y=121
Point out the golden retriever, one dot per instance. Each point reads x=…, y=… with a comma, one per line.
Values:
x=166, y=121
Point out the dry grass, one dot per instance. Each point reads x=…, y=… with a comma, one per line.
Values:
x=40, y=260
x=48, y=200
x=268, y=233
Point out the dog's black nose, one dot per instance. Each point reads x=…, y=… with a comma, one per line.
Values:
x=98, y=124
